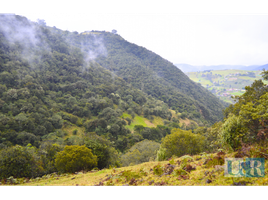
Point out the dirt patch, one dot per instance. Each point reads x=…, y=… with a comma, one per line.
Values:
x=149, y=124
x=185, y=121
x=173, y=113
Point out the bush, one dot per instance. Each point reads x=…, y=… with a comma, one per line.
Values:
x=181, y=142
x=75, y=132
x=102, y=148
x=73, y=119
x=141, y=152
x=128, y=120
x=233, y=132
x=25, y=138
x=18, y=161
x=48, y=152
x=158, y=170
x=161, y=154
x=75, y=158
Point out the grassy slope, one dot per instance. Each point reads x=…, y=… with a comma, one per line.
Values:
x=140, y=120
x=196, y=76
x=143, y=175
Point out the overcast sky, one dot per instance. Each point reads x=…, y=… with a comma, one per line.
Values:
x=196, y=32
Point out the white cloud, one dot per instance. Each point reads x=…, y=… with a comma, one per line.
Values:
x=160, y=26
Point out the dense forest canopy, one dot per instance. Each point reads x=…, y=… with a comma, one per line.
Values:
x=46, y=82
x=160, y=78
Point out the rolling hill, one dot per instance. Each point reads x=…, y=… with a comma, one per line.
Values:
x=225, y=83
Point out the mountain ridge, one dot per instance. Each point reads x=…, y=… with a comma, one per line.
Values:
x=262, y=67
x=154, y=69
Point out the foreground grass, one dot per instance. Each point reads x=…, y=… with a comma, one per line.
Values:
x=145, y=174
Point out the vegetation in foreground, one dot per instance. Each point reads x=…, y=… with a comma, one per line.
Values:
x=203, y=169
x=62, y=113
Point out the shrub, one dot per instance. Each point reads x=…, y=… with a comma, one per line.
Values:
x=161, y=154
x=25, y=138
x=48, y=152
x=181, y=142
x=128, y=175
x=128, y=120
x=73, y=119
x=179, y=172
x=18, y=161
x=75, y=158
x=102, y=148
x=233, y=132
x=212, y=162
x=158, y=170
x=75, y=132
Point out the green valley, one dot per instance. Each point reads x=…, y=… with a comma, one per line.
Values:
x=225, y=83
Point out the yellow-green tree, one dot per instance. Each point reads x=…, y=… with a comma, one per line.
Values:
x=181, y=142
x=75, y=158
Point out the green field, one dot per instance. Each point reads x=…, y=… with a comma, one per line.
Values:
x=139, y=120
x=225, y=83
x=236, y=93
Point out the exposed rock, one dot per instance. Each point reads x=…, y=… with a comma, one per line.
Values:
x=189, y=168
x=151, y=182
x=160, y=183
x=219, y=167
x=100, y=184
x=206, y=173
x=241, y=183
x=208, y=181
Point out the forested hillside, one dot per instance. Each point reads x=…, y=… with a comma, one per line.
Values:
x=48, y=86
x=61, y=90
x=159, y=78
x=73, y=102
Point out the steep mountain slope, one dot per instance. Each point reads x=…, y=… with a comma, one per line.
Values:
x=52, y=79
x=159, y=78
x=138, y=66
x=47, y=85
